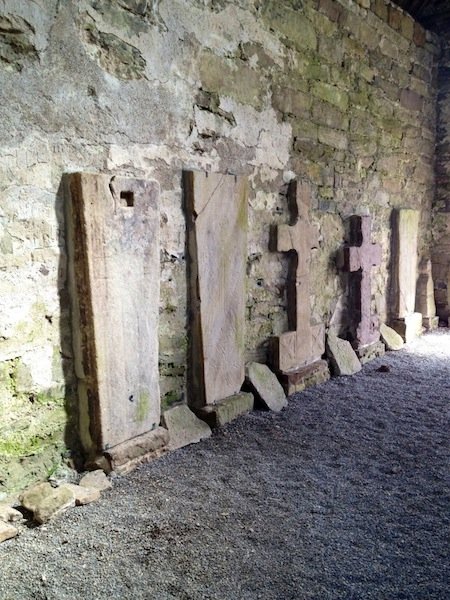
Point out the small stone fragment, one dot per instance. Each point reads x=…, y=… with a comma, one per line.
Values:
x=383, y=369
x=266, y=386
x=342, y=356
x=7, y=531
x=9, y=514
x=97, y=480
x=46, y=502
x=184, y=427
x=82, y=495
x=392, y=340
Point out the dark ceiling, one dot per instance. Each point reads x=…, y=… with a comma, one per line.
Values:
x=432, y=14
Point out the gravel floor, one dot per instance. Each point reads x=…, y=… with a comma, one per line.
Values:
x=344, y=495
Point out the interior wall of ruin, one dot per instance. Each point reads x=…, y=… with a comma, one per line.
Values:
x=338, y=92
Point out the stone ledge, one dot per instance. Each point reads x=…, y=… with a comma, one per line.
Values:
x=226, y=410
x=370, y=352
x=308, y=376
x=127, y=456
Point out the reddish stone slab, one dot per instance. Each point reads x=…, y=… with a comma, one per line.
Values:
x=359, y=258
x=305, y=343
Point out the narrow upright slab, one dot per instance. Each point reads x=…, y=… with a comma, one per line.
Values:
x=359, y=258
x=216, y=208
x=184, y=427
x=404, y=262
x=113, y=242
x=342, y=356
x=425, y=303
x=305, y=343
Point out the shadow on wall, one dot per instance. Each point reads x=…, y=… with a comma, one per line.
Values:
x=74, y=455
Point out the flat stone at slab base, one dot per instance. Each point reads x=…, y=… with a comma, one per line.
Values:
x=391, y=339
x=184, y=427
x=266, y=386
x=226, y=410
x=410, y=327
x=7, y=531
x=342, y=357
x=308, y=376
x=142, y=449
x=370, y=352
x=430, y=323
x=45, y=502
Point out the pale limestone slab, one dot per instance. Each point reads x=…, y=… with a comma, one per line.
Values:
x=7, y=531
x=113, y=241
x=266, y=386
x=184, y=427
x=410, y=327
x=82, y=495
x=342, y=356
x=96, y=480
x=404, y=261
x=305, y=343
x=217, y=232
x=125, y=456
x=46, y=502
x=391, y=339
x=425, y=302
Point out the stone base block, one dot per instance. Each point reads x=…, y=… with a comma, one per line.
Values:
x=368, y=353
x=410, y=327
x=184, y=427
x=430, y=323
x=297, y=381
x=226, y=410
x=125, y=457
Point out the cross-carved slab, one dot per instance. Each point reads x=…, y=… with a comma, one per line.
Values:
x=359, y=258
x=305, y=343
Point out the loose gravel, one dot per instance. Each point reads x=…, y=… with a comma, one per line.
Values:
x=343, y=495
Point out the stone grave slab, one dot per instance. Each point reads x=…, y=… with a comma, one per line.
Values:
x=125, y=457
x=113, y=242
x=226, y=410
x=405, y=229
x=184, y=427
x=304, y=344
x=391, y=338
x=425, y=303
x=266, y=386
x=216, y=208
x=359, y=256
x=342, y=356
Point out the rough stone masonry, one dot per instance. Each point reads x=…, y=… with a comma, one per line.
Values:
x=339, y=93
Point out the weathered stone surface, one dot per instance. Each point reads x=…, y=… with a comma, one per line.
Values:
x=114, y=249
x=148, y=444
x=391, y=339
x=410, y=327
x=266, y=386
x=359, y=258
x=304, y=344
x=9, y=514
x=46, y=502
x=425, y=303
x=370, y=352
x=226, y=410
x=342, y=357
x=404, y=262
x=96, y=480
x=184, y=427
x=82, y=495
x=217, y=223
x=7, y=531
x=297, y=381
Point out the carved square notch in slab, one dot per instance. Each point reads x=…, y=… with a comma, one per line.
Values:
x=216, y=207
x=113, y=242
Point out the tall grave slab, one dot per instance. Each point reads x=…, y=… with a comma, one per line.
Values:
x=425, y=302
x=405, y=229
x=216, y=207
x=113, y=240
x=297, y=353
x=359, y=257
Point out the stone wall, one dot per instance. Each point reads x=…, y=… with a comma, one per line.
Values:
x=441, y=220
x=339, y=92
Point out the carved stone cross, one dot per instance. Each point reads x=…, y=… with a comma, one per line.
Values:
x=304, y=344
x=359, y=258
